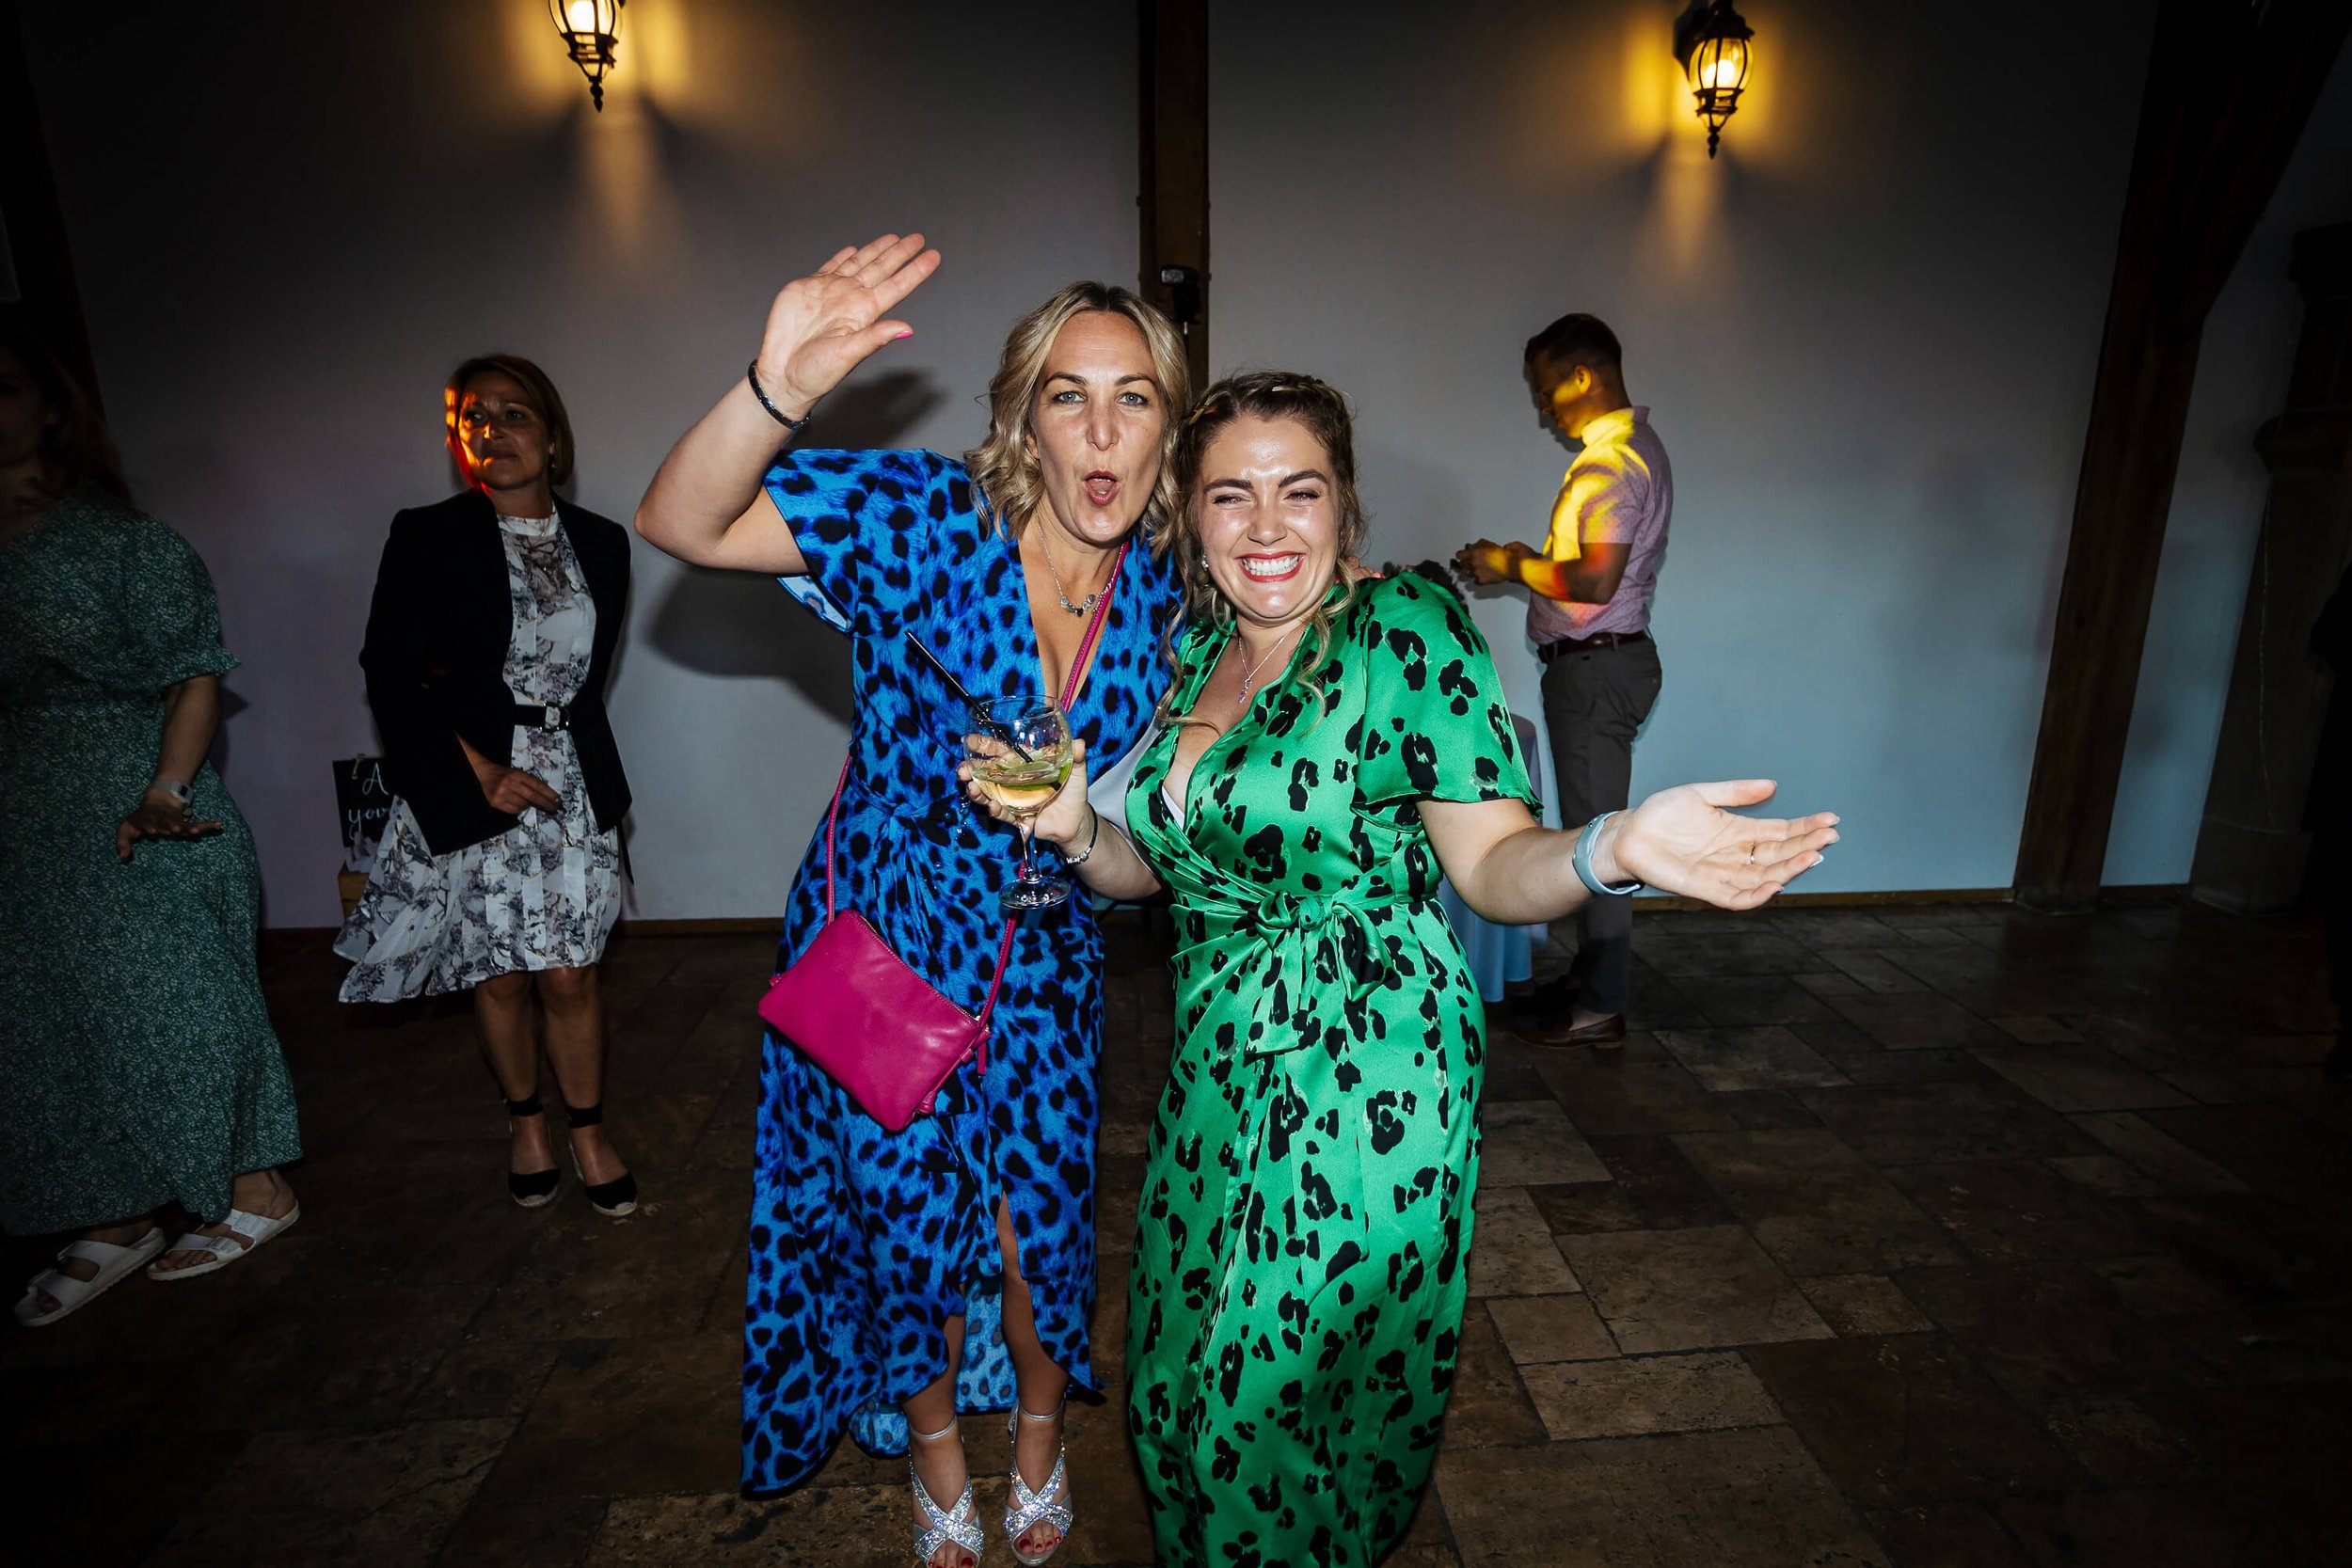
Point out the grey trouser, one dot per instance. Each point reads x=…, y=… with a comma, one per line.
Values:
x=1595, y=703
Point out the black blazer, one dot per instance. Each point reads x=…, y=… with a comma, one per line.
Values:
x=436, y=655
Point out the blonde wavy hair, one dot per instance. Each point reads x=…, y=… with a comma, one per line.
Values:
x=1319, y=407
x=1001, y=467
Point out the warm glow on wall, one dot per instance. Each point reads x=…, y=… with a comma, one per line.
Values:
x=591, y=29
x=1712, y=40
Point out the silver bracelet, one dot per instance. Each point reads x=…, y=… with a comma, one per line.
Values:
x=1087, y=854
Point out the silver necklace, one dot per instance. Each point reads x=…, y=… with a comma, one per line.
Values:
x=1251, y=668
x=1059, y=591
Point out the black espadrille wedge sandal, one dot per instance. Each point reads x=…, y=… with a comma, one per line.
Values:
x=534, y=1189
x=612, y=1198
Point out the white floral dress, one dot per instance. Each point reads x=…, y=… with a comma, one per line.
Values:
x=544, y=894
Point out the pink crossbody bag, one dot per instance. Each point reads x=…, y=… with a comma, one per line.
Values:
x=858, y=1010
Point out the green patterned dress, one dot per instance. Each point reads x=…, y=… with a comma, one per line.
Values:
x=1299, y=1277
x=140, y=1068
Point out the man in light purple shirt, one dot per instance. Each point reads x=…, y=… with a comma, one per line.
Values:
x=1589, y=591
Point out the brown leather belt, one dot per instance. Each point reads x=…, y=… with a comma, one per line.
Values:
x=1547, y=651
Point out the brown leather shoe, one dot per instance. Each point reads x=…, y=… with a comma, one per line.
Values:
x=1537, y=1003
x=1605, y=1033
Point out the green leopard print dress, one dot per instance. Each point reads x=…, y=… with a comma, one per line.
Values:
x=1298, y=1278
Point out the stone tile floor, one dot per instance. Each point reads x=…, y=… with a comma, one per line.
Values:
x=1949, y=1237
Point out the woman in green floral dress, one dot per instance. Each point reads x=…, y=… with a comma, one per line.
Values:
x=1331, y=749
x=140, y=1069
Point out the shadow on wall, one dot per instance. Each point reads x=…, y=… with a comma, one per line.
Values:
x=230, y=706
x=872, y=411
x=736, y=624
x=723, y=623
x=1961, y=617
x=1415, y=512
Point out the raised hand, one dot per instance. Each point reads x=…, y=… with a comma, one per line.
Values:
x=823, y=326
x=1684, y=840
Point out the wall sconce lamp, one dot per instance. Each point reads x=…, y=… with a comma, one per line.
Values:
x=592, y=31
x=1711, y=41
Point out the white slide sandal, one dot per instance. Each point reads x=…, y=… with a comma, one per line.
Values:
x=113, y=1263
x=224, y=1250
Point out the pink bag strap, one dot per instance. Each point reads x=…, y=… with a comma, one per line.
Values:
x=1094, y=630
x=1003, y=945
x=833, y=813
x=1069, y=692
x=988, y=1009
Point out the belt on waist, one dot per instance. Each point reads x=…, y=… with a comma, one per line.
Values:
x=1547, y=651
x=544, y=716
x=942, y=818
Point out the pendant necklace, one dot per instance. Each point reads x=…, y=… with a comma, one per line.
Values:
x=1059, y=591
x=1253, y=667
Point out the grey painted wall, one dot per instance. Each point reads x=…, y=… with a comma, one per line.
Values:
x=290, y=223
x=1868, y=333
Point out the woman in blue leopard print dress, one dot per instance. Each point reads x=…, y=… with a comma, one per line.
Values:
x=875, y=1303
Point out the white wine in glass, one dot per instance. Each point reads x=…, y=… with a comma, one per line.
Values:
x=1021, y=786
x=1021, y=756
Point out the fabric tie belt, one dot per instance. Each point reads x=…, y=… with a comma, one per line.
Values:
x=946, y=820
x=1307, y=978
x=1299, y=1201
x=1547, y=651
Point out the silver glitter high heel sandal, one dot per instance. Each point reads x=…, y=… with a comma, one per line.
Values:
x=1024, y=1509
x=959, y=1524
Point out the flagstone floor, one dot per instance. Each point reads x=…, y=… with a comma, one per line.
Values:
x=1940, y=1237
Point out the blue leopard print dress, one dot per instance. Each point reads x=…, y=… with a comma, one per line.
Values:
x=862, y=1241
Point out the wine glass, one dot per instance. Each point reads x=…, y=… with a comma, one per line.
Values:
x=1021, y=755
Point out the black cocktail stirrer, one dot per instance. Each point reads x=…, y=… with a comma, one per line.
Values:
x=955, y=689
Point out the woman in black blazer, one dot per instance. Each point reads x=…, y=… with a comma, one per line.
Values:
x=488, y=641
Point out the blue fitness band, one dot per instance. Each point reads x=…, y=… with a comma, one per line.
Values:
x=1584, y=861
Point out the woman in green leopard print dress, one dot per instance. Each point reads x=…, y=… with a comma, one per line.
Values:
x=1333, y=748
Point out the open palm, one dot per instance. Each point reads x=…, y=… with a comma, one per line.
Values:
x=1684, y=840
x=823, y=326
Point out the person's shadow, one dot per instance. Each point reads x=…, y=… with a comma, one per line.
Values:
x=723, y=623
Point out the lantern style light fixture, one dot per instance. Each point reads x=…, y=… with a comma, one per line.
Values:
x=592, y=31
x=1711, y=41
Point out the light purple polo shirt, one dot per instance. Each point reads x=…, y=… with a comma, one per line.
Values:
x=1620, y=488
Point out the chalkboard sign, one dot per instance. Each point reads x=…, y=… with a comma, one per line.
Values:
x=365, y=801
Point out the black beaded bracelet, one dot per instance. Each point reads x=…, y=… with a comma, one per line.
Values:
x=751, y=374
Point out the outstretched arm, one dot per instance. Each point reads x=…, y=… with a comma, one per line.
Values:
x=1592, y=579
x=705, y=504
x=1681, y=840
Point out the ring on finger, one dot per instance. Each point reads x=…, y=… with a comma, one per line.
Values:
x=1751, y=854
